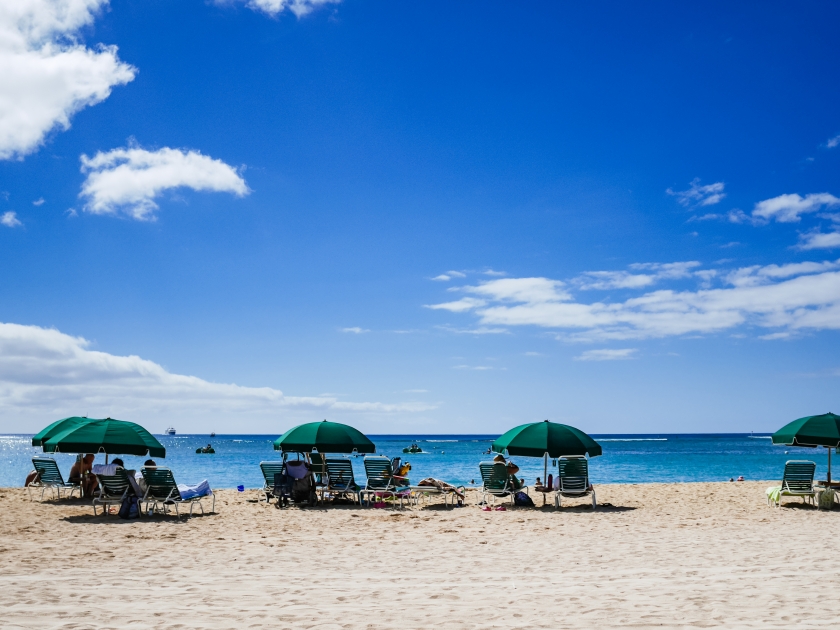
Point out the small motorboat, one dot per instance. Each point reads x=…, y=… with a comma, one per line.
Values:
x=170, y=431
x=414, y=448
x=212, y=434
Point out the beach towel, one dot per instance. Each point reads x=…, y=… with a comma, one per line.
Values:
x=297, y=469
x=774, y=493
x=199, y=490
x=104, y=469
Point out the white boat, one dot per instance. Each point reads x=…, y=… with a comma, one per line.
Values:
x=170, y=431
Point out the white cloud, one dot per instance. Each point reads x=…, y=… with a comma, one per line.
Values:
x=607, y=355
x=38, y=202
x=458, y=306
x=604, y=280
x=46, y=374
x=444, y=277
x=785, y=297
x=478, y=368
x=819, y=240
x=355, y=330
x=833, y=142
x=276, y=7
x=491, y=272
x=699, y=195
x=788, y=208
x=9, y=219
x=531, y=353
x=481, y=330
x=46, y=75
x=130, y=179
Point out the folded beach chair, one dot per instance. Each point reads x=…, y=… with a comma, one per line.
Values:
x=339, y=480
x=162, y=490
x=49, y=476
x=269, y=469
x=381, y=481
x=573, y=479
x=496, y=482
x=797, y=481
x=112, y=490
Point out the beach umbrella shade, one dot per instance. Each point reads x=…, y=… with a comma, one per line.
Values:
x=324, y=437
x=546, y=439
x=57, y=427
x=107, y=436
x=812, y=431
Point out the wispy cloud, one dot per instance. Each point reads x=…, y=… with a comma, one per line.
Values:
x=276, y=7
x=46, y=75
x=833, y=142
x=789, y=208
x=445, y=277
x=699, y=194
x=38, y=202
x=46, y=374
x=604, y=280
x=531, y=353
x=479, y=368
x=9, y=219
x=819, y=240
x=491, y=272
x=130, y=179
x=790, y=297
x=356, y=330
x=607, y=354
x=481, y=330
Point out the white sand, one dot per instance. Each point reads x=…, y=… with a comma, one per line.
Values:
x=667, y=555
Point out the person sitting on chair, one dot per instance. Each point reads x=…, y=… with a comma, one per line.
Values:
x=83, y=476
x=511, y=469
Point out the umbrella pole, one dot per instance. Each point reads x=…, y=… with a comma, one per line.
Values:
x=545, y=473
x=829, y=465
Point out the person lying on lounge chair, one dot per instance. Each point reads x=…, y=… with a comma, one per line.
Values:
x=441, y=485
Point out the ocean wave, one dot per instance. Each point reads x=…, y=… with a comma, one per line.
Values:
x=441, y=440
x=634, y=440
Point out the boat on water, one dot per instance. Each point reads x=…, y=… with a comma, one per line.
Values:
x=212, y=434
x=170, y=431
x=414, y=448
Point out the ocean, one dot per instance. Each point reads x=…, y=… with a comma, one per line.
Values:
x=455, y=458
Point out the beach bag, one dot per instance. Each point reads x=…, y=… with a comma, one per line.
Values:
x=522, y=499
x=129, y=508
x=302, y=490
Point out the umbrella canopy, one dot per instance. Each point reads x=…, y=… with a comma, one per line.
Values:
x=535, y=439
x=811, y=431
x=325, y=437
x=108, y=436
x=57, y=427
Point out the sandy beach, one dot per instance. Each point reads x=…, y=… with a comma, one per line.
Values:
x=659, y=555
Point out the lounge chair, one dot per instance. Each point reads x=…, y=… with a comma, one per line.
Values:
x=797, y=481
x=573, y=479
x=162, y=490
x=339, y=480
x=497, y=482
x=49, y=476
x=269, y=469
x=381, y=481
x=447, y=490
x=112, y=490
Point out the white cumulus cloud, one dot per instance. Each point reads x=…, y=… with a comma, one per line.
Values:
x=783, y=297
x=699, y=194
x=276, y=7
x=46, y=375
x=789, y=208
x=819, y=240
x=9, y=219
x=46, y=74
x=130, y=179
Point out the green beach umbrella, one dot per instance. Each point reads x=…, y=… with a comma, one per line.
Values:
x=812, y=431
x=546, y=439
x=537, y=439
x=57, y=427
x=325, y=437
x=107, y=436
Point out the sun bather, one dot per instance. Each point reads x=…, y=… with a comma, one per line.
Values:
x=83, y=475
x=512, y=469
x=441, y=485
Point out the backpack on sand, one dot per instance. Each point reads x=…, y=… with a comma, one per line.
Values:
x=129, y=508
x=522, y=499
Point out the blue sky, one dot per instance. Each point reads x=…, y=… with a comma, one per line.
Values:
x=419, y=217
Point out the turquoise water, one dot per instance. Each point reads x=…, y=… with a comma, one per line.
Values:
x=455, y=458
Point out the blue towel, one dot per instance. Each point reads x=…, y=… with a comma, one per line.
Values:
x=199, y=490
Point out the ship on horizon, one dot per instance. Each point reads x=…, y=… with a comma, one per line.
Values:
x=170, y=431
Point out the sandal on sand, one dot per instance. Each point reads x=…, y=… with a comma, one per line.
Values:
x=501, y=508
x=486, y=508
